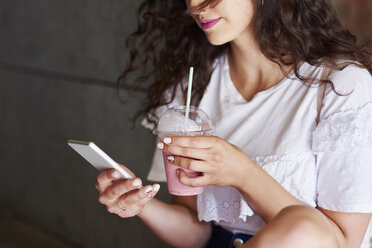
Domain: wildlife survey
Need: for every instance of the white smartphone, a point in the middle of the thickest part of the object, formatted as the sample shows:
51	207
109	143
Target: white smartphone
98	158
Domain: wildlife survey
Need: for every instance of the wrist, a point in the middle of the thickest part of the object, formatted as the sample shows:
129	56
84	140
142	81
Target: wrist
246	176
146	210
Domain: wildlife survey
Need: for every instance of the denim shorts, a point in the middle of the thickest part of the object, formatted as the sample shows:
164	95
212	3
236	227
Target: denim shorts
222	238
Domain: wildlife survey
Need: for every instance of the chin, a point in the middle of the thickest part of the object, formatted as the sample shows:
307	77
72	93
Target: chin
217	40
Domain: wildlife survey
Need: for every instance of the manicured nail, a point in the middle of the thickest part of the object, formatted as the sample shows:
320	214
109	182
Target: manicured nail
136	183
167	140
148	190
156	187
170	159
161	145
115	174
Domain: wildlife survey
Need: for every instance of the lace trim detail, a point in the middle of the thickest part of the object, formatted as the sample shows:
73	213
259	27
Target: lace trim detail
223	204
296	173
344	130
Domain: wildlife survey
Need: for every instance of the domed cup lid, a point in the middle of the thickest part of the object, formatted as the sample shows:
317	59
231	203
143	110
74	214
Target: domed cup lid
174	121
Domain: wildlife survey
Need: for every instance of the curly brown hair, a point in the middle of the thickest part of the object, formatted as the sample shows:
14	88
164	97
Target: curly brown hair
289	32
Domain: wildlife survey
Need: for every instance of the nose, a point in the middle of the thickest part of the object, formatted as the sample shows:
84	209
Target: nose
194	3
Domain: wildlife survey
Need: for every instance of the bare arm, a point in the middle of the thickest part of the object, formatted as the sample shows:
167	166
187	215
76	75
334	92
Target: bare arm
264	194
224	164
176	223
350	228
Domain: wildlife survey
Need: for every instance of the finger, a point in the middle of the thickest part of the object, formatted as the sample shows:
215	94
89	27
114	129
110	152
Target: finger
146	192
131	204
192	182
127	170
191	164
195	153
105	179
118	189
192	141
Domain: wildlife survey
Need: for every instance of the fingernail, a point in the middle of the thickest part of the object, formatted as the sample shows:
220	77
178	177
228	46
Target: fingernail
156	187
136	183
167	140
160	145
170	158
148	190
115	174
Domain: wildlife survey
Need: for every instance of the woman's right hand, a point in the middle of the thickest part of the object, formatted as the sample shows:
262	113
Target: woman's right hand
124	197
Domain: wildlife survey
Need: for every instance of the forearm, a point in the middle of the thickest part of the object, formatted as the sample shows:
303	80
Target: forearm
268	198
177	225
263	193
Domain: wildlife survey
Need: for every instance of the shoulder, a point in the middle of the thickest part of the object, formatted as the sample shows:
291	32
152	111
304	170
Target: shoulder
351	80
346	113
350	89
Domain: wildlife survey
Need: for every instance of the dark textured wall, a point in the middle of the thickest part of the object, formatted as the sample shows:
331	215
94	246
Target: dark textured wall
356	15
58	64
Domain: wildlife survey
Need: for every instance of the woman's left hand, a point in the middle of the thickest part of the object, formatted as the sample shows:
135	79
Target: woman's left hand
221	163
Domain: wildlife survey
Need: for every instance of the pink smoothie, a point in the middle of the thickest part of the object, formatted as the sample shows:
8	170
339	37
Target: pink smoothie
173	123
175	187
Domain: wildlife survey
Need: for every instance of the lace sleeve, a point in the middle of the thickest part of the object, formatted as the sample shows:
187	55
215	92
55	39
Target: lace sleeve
344	130
342	142
344	180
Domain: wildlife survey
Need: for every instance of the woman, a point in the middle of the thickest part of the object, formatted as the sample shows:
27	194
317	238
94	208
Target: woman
281	171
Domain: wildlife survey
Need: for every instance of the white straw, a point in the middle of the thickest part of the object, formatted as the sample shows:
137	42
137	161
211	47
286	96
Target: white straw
189	90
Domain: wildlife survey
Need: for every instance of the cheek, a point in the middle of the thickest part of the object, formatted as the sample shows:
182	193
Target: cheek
228	31
243	16
236	24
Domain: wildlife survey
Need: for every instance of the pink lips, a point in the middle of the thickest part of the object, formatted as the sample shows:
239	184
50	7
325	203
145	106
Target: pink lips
209	23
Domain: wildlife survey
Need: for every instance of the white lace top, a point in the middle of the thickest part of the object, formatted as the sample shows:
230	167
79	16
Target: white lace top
329	165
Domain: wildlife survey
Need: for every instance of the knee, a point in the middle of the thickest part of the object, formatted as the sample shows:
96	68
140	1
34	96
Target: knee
301	226
305	224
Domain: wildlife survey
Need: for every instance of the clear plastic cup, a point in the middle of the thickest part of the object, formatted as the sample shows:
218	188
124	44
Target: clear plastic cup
174	123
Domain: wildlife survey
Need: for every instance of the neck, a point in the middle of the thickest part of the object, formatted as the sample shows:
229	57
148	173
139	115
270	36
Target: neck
250	70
